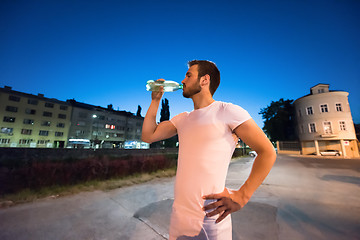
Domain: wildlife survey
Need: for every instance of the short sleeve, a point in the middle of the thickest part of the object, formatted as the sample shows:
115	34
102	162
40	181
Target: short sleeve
235	115
176	121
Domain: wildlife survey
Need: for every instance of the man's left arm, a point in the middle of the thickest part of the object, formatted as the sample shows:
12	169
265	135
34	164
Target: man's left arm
230	201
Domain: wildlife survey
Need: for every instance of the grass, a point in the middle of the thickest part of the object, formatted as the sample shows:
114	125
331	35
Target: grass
30	195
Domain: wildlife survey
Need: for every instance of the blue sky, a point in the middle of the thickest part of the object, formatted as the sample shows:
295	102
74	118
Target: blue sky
103	52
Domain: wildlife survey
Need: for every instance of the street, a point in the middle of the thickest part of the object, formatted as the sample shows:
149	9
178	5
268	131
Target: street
302	198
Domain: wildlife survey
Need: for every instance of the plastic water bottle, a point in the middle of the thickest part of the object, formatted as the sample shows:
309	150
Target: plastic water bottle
169	86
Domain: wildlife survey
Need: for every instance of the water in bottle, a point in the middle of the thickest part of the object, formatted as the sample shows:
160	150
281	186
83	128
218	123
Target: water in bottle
169	86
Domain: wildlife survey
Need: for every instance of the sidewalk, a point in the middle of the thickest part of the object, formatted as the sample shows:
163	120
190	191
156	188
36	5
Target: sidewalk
298	200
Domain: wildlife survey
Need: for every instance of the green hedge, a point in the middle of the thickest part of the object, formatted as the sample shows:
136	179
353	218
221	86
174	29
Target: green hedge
37	168
36	174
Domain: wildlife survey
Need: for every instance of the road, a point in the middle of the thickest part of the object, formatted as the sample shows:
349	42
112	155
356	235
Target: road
302	198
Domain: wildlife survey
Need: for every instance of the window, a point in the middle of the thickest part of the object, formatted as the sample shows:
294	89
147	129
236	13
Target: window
60	125
25	141
6	130
43	142
28	121
312	128
30	111
62	116
59	134
324	108
49	105
97	133
299	112
309	111
11	109
109	134
43	133
14	98
9	119
26	131
98	125
47	114
4	141
120	128
342	125
80	132
338	107
327	128
32	101
45	123
62	107
321	90
108	126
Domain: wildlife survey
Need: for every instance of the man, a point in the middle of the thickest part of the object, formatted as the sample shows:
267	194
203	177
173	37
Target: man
207	139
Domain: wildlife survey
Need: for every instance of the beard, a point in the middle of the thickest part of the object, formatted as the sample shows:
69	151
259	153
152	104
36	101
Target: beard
191	91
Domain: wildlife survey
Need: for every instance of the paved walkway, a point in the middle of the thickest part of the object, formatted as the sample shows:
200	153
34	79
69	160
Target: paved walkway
301	199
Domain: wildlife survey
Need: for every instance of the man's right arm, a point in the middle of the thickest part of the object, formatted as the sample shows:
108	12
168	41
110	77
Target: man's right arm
151	131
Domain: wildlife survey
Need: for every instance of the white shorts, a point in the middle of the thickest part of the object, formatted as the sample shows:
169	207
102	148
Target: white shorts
186	228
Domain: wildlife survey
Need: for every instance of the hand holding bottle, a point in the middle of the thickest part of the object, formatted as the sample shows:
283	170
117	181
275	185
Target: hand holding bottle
158	92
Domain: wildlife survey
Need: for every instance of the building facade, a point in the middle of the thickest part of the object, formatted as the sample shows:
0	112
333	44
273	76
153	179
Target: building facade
324	122
32	121
36	121
104	127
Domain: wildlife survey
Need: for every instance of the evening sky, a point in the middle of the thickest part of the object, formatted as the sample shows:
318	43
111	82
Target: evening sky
103	52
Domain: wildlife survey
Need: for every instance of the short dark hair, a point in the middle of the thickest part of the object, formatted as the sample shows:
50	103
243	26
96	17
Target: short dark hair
208	67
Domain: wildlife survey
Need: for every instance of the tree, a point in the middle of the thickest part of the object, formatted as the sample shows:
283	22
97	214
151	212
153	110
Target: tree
165	112
138	113
164	116
279	120
357	131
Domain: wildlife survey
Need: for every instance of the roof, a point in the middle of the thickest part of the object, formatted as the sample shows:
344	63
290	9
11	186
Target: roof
40	96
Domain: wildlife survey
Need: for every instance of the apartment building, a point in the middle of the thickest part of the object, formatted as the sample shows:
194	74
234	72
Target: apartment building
324	122
36	121
103	127
32	120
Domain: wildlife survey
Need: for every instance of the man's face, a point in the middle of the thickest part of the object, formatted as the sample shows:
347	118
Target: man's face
191	83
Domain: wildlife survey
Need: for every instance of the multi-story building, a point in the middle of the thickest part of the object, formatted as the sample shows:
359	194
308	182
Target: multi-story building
32	121
36	121
103	127
324	122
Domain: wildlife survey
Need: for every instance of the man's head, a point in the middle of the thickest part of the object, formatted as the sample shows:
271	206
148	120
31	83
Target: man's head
205	67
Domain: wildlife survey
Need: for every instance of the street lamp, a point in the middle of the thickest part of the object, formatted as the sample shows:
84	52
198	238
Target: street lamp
96	140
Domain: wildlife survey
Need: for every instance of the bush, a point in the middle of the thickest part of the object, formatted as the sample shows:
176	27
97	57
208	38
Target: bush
37	174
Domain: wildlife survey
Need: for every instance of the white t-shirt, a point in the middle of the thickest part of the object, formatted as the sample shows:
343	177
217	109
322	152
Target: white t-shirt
206	145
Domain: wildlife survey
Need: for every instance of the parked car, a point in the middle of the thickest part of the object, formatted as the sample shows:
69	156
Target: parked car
252	154
330	153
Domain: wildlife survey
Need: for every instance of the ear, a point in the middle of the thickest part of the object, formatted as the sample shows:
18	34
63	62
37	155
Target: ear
205	80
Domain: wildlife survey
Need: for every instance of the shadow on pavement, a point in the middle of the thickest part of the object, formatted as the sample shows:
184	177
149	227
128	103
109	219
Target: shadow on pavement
345	179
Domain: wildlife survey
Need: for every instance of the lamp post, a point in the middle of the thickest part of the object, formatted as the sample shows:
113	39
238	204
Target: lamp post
96	140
